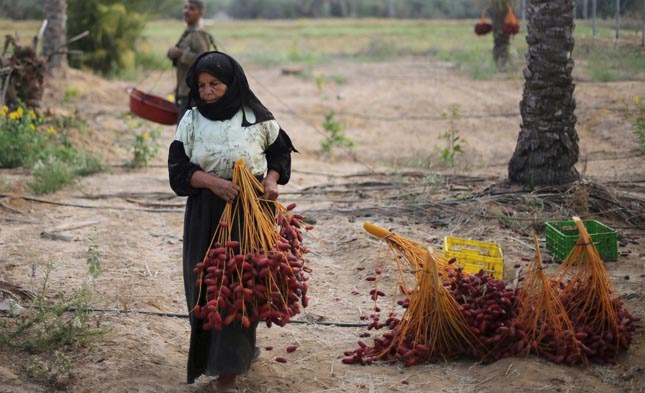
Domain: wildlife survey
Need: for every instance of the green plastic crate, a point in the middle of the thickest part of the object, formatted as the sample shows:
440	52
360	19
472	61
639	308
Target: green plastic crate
561	236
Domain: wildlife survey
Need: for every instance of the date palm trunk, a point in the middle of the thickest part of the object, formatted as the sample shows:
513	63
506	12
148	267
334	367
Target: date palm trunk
547	146
55	35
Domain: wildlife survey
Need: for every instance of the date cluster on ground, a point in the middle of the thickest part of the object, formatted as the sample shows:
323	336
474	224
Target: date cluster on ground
490	311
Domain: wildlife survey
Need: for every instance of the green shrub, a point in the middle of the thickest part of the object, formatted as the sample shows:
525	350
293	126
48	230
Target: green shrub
93	257
51	174
71	94
319	79
19	139
61	167
63	322
636	114
336	137
86	163
54	328
56	371
27	140
448	153
142	144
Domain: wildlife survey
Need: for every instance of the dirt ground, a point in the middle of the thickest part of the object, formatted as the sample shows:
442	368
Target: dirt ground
393	113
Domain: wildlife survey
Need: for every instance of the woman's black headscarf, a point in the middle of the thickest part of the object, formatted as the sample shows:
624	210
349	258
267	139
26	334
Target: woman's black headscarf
238	94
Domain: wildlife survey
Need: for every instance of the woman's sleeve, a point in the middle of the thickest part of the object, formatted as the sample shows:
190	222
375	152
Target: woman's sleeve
180	168
278	156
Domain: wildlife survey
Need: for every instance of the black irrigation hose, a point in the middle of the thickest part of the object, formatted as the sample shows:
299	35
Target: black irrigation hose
177	315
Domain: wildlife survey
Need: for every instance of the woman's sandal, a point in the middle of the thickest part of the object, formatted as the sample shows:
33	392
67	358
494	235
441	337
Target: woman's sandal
226	387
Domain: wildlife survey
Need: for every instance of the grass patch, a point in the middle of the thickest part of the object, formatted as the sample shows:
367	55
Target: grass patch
477	64
313	41
614	64
379	49
272	43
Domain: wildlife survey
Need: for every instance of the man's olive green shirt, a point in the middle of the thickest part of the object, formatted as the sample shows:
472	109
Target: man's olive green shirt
193	42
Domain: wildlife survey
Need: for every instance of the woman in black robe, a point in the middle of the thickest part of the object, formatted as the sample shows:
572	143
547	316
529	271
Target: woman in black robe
226	122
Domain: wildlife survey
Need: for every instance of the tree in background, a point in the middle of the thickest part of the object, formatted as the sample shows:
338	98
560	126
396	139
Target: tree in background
285	9
114	28
24	9
547	146
56	33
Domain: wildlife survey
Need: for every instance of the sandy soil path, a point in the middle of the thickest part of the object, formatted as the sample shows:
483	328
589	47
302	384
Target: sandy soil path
393	113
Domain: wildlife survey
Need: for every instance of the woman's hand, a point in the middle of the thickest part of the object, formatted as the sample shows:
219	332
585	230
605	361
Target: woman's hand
223	188
270	184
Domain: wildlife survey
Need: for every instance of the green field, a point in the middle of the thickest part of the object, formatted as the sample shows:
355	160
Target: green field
313	41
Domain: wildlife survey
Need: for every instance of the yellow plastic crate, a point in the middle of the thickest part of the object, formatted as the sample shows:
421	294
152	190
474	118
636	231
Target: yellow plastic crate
474	255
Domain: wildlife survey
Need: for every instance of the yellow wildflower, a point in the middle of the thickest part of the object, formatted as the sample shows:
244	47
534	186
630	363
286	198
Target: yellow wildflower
31	114
33	127
128	117
4	110
636	100
15	115
146	135
52	131
132	124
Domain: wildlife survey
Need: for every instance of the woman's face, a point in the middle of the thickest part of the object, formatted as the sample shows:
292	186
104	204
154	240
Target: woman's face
210	88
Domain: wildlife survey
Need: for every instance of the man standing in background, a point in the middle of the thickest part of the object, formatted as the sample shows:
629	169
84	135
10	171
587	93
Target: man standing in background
193	42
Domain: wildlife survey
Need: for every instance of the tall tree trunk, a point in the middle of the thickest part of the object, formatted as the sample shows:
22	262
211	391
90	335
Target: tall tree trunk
617	22
501	41
547	146
585	9
338	8
390	8
594	8
56	33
